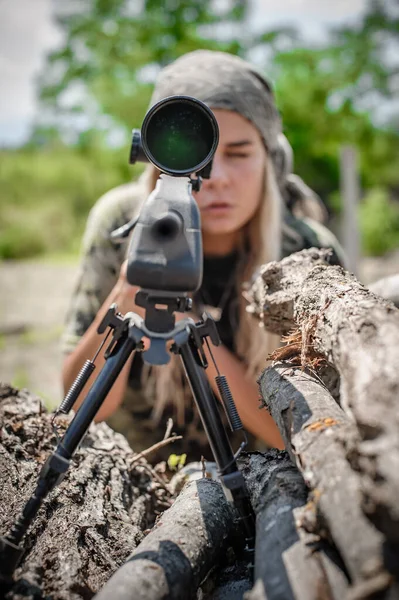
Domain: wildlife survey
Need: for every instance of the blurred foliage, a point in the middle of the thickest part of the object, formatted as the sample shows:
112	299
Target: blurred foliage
116	47
317	130
327	96
46	194
379	220
97	86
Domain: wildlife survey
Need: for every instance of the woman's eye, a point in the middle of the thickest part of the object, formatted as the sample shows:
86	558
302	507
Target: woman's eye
237	155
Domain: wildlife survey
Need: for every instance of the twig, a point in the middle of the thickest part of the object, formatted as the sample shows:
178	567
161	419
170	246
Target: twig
155	476
156	446
203	463
169	427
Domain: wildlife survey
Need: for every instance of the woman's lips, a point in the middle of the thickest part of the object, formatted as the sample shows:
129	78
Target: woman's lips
217	208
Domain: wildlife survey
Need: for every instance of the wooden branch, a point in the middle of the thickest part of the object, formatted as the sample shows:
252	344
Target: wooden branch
165	442
285	565
315	559
317	434
357	332
179	551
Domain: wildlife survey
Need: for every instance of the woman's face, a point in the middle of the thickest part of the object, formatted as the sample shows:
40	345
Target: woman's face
229	199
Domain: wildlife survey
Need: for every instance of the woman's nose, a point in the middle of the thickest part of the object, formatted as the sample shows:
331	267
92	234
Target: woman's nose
219	173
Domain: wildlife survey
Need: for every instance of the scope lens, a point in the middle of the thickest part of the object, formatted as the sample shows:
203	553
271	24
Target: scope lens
180	136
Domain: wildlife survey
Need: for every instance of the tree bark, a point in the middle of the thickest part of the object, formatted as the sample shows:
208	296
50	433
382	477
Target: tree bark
91	522
288	563
358	333
318	434
180	550
110	498
272	295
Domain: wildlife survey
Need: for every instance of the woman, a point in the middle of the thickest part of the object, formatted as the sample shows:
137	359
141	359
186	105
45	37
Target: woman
247	213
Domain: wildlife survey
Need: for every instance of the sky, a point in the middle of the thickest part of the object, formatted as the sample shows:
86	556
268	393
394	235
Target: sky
27	33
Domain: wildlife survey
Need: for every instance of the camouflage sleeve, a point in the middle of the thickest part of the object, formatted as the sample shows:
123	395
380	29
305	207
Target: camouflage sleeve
100	264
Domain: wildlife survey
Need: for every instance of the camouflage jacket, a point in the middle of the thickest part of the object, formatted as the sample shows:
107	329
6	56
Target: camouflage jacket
98	272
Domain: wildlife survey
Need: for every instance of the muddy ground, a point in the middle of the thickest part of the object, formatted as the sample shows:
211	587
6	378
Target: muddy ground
34	298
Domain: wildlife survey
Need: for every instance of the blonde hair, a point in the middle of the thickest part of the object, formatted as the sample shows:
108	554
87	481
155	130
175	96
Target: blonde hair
260	243
263	239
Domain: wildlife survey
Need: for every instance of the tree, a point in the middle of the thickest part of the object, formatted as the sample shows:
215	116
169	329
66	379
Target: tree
114	48
365	54
101	80
330	95
103	75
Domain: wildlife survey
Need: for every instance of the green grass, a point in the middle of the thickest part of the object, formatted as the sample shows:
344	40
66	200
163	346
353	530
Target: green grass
379	223
20	379
46	195
40	336
49	403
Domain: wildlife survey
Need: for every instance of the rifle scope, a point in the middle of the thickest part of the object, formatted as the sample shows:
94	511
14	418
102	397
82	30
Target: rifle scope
179	136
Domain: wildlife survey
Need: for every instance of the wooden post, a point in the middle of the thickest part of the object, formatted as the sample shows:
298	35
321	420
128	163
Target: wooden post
350	194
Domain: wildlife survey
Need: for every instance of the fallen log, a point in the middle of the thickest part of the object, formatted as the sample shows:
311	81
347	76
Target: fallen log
358	333
317	434
107	503
91	522
313	548
288	563
272	295
179	551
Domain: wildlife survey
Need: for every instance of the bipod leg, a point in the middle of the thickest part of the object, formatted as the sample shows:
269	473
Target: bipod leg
207	407
57	464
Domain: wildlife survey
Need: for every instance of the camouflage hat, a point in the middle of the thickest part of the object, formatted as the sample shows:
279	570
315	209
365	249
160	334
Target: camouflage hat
225	81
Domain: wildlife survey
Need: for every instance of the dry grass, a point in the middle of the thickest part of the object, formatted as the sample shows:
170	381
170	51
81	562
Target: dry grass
299	349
